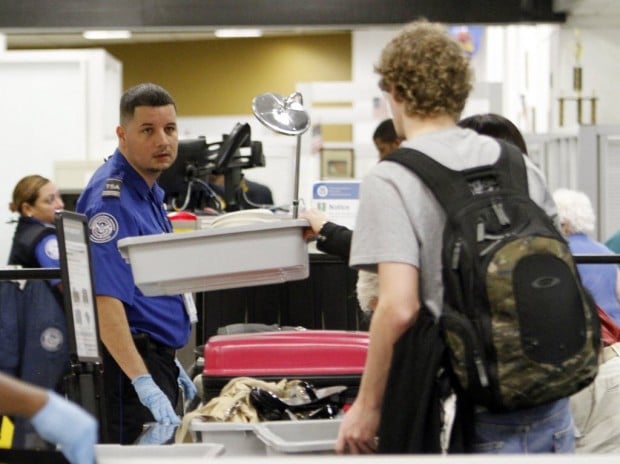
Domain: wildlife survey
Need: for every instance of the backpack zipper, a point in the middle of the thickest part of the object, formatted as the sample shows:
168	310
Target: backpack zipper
480	231
498	207
456	254
482	375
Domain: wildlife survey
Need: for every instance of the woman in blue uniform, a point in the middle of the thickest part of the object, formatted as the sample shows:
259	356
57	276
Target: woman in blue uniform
34	346
36	200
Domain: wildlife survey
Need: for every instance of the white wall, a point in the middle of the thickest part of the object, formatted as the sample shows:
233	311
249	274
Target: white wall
55	106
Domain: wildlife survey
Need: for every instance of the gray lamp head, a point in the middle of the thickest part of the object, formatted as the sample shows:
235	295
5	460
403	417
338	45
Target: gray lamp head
285	115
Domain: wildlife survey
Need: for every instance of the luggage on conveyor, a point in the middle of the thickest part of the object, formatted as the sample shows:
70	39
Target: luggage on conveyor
321	357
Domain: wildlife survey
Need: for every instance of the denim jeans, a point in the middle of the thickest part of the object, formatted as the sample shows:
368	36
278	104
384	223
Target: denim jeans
546	428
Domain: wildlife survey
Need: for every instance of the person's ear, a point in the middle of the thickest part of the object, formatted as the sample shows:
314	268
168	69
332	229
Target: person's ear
394	95
122	137
26	209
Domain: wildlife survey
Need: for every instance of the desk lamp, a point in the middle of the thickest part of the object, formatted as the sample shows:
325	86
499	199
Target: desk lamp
285	115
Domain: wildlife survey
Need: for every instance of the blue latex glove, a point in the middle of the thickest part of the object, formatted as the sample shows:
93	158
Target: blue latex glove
189	389
70	427
157	434
153	398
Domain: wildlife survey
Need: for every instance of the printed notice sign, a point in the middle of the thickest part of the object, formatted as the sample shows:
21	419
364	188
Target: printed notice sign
79	298
338	200
81	292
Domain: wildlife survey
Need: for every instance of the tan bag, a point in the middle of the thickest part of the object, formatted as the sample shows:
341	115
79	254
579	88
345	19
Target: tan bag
233	403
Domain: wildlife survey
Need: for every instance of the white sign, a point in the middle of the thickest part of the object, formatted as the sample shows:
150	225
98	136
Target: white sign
81	291
338	199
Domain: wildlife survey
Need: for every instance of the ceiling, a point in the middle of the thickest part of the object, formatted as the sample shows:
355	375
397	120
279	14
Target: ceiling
582	13
75	39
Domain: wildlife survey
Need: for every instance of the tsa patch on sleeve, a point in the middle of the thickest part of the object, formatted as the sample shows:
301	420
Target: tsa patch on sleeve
52	339
112	188
51	249
103	228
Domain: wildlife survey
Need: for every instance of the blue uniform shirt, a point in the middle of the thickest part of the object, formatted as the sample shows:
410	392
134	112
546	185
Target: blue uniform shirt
119	204
46	252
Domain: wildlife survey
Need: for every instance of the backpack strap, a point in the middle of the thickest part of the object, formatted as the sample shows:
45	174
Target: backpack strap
446	184
511	168
451	187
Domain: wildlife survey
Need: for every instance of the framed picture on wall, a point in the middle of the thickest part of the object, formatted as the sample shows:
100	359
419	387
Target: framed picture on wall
337	163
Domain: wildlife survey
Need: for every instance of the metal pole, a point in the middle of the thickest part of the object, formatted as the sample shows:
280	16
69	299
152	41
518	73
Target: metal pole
296	186
30	273
597	259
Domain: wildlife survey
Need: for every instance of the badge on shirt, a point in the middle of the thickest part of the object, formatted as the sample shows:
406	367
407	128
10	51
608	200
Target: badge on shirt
51	249
103	228
52	339
112	188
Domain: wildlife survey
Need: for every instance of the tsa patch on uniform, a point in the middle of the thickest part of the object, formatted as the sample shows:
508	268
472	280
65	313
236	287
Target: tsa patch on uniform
51	249
112	188
103	228
52	339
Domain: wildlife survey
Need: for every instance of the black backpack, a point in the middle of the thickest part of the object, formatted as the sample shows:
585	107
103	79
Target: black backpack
520	328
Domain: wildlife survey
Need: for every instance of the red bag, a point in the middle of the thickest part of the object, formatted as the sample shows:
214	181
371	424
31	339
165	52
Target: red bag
322	357
610	331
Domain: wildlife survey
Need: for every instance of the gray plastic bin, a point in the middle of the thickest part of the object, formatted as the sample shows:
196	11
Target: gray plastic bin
190	453
212	259
299	437
238	439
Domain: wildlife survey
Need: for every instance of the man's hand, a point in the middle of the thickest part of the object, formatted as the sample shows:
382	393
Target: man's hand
189	389
153	398
358	432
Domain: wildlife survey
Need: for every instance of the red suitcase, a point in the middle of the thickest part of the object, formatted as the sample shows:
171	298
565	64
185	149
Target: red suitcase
322	357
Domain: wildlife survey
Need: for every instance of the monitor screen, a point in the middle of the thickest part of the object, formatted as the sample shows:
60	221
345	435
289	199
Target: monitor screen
186	182
194	156
238	137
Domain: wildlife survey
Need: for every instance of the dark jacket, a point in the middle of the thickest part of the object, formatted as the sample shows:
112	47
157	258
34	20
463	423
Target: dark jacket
335	240
28	233
34	344
418	380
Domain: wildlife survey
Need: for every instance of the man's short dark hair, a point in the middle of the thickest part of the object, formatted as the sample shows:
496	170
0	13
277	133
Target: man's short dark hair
145	94
386	132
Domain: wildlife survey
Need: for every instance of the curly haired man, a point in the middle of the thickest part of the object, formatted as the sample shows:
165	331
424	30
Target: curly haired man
426	79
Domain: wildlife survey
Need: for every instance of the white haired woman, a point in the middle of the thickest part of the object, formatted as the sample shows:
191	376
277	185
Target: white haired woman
595	408
577	219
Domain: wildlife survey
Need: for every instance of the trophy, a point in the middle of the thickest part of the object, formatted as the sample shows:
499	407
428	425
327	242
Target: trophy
577	88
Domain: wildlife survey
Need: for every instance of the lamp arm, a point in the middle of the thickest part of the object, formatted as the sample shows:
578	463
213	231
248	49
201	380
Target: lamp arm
291	99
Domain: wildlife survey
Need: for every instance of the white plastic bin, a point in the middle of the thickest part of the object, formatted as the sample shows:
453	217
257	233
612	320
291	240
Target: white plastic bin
190	453
212	259
238	439
299	437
